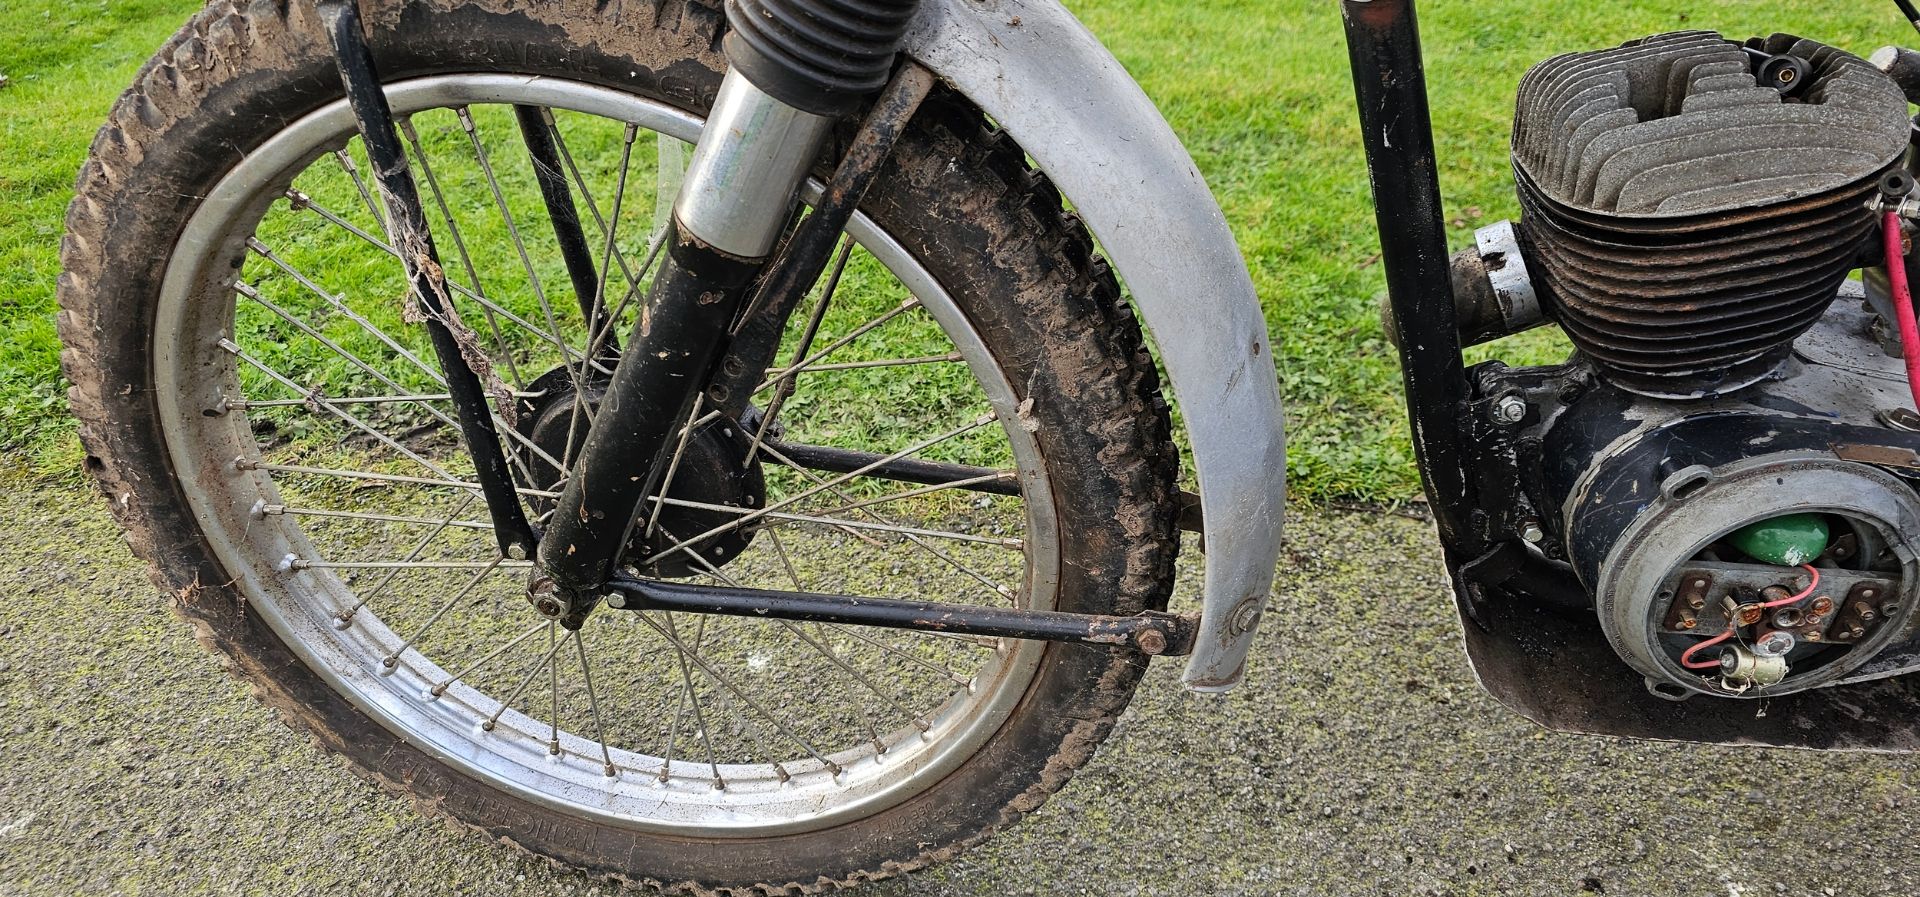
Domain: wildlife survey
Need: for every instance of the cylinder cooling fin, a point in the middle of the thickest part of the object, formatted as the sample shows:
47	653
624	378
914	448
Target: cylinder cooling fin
1692	204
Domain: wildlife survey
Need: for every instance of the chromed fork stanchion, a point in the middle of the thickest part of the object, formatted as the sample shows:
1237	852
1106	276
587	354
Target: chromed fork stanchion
406	222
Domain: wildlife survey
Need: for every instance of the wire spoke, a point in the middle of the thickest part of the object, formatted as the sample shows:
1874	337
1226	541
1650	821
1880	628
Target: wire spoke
440	688
807	335
292	511
801	366
1003	542
568	352
854	631
537	668
726	683
831	656
513	230
683	546
393	658
346	616
593	702
320	400
689	695
346	164
998	589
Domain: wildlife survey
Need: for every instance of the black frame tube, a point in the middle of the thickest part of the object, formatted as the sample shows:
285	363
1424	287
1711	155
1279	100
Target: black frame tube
1151	632
407	220
1389	81
565	216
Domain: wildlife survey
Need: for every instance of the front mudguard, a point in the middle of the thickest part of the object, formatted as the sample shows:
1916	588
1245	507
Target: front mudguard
1063	97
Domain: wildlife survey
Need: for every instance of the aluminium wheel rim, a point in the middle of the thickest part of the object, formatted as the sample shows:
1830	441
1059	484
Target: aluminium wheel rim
515	754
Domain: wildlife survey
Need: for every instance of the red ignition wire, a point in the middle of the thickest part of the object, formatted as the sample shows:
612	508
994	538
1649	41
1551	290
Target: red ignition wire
1902	301
1686	657
1811	571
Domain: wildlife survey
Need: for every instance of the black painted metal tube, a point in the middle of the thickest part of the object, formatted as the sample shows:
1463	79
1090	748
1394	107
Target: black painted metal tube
565	217
1152	633
674	348
1383	44
407	220
905	470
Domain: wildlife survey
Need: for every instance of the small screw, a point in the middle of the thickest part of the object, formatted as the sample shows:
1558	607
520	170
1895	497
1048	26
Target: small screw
1151	641
1821	606
1510	410
1688	622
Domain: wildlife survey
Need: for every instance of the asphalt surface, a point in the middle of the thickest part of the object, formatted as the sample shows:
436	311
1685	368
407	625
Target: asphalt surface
1359	758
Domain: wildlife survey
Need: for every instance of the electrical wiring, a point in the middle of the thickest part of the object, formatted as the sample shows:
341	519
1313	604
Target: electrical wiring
1686	657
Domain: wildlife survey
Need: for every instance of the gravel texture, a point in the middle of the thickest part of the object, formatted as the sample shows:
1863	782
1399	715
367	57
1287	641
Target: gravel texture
1359	758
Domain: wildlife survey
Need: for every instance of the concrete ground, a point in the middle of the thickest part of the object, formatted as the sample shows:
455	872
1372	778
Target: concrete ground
1359	758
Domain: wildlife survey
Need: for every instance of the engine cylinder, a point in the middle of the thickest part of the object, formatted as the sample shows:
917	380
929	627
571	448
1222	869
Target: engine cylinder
1689	221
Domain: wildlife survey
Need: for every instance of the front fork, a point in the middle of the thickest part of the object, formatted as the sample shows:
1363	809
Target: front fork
713	314
739	189
775	109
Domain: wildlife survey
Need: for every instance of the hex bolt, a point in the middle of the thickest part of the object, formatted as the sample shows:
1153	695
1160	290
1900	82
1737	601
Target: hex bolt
1510	410
517	551
1151	641
1531	532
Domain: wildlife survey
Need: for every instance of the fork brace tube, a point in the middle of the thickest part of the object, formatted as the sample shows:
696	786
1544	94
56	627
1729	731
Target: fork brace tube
1389	81
407	227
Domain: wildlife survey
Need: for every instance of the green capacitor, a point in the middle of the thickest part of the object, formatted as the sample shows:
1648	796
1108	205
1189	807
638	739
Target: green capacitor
1789	541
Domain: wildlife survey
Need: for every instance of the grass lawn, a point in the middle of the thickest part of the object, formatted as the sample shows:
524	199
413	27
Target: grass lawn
1258	89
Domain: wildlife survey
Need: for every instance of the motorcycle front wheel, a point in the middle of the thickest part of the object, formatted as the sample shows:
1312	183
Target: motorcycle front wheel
261	408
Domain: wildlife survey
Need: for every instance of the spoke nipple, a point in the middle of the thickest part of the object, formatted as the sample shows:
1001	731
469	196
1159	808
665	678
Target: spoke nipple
342	621
719	784
610	772
782	772
289	563
486	725
389	661
438	690
553	748
834	768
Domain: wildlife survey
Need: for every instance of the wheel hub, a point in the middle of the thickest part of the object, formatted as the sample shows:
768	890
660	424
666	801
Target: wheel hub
713	470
